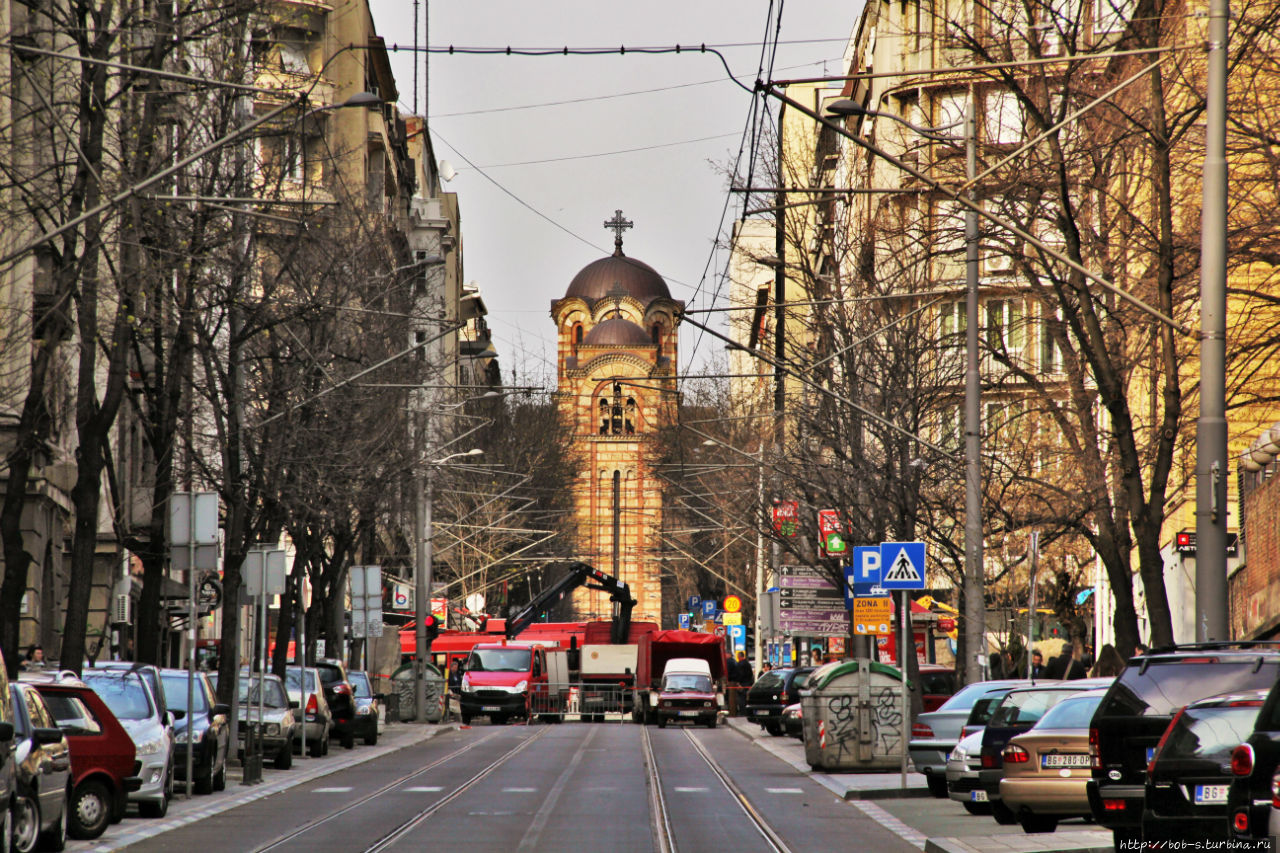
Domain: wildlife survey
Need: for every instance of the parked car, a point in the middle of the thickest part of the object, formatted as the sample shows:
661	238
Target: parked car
1018	711
793	721
281	728
128	694
149	673
341	699
963	765
102	753
317	719
773	691
937	685
204	723
1190	774
1139	707
937	732
368	706
1253	799
42	762
1047	767
8	773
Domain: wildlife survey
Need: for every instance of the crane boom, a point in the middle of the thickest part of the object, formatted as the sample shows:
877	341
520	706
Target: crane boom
580	574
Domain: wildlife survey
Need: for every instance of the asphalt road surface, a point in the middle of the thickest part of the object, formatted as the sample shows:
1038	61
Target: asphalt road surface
577	787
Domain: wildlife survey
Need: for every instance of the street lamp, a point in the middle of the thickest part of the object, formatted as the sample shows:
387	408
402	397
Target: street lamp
975	610
422	578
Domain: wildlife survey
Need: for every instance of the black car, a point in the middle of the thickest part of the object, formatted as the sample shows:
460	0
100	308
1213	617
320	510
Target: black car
341	699
1020	709
1255	767
368	706
209	730
43	771
773	691
1138	708
1187	781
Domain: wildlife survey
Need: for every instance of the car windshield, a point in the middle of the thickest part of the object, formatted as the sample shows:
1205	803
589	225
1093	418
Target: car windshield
175	690
771	680
1023	707
499	660
680	682
1074	712
360	685
71	715
800	680
293	678
123	693
980	713
938	682
1210	733
272	695
329	674
1159	686
966	697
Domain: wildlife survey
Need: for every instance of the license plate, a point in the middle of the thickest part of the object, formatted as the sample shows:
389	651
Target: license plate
688	713
768	712
1065	759
1211	794
978	796
489	708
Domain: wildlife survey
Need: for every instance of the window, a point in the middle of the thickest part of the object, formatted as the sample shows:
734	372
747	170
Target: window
1111	16
1005	328
951	428
617	414
953	324
1050	352
948	228
1003	118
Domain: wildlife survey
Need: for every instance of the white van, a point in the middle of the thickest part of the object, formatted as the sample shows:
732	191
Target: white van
688	693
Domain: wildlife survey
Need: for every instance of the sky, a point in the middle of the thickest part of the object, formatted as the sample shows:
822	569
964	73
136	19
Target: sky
547	148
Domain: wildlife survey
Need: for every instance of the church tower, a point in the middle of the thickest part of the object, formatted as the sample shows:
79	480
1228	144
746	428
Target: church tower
616	326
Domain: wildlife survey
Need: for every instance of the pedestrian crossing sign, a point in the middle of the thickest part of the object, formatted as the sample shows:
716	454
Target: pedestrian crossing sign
902	565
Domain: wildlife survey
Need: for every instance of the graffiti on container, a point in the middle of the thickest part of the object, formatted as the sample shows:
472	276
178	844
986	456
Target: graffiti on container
885	719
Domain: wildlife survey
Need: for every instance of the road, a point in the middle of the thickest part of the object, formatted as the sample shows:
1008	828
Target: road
579	787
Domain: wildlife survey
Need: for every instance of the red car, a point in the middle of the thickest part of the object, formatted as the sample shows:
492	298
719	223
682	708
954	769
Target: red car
102	753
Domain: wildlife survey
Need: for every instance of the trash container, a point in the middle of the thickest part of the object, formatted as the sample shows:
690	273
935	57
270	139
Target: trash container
852	713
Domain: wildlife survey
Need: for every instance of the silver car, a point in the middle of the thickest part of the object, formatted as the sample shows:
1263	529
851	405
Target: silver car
129	697
936	733
280	730
317	718
963	765
43	760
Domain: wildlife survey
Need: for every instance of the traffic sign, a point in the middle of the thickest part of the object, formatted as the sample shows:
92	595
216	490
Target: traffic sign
831	541
695	604
873	610
708	608
732	604
684	621
903	564
866	568
731	619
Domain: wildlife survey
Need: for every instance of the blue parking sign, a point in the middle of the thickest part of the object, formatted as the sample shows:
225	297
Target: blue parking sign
684	621
866	570
709	608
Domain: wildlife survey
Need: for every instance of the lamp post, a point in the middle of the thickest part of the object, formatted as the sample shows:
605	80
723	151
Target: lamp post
975	610
422	579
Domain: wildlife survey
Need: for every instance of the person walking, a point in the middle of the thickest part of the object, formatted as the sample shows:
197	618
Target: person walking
740	680
1037	665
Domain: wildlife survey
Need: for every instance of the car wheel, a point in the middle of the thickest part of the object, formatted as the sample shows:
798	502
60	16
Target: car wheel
284	758
466	718
711	723
6	830
1003	814
774	729
977	808
371	739
937	785
153	809
56	838
349	740
315	748
662	722
324	744
26	823
1037	823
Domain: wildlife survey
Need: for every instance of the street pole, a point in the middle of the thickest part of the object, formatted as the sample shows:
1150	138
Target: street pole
422	589
975	607
1211	428
1031	599
758	645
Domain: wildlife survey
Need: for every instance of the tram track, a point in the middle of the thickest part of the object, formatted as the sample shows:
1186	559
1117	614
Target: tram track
665	840
406	826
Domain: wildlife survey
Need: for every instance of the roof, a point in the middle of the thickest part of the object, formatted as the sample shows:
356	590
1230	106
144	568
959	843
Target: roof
617	331
618	274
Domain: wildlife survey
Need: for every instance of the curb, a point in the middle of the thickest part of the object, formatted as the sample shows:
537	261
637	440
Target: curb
237	794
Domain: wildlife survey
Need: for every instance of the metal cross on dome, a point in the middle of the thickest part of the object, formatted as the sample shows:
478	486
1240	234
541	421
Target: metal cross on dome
617	225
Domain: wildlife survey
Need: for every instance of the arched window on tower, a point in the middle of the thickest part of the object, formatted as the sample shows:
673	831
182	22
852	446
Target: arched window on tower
617	414
577	337
604	416
657	336
629	418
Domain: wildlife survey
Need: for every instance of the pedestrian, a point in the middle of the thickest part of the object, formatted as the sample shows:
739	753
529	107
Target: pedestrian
1070	667
1109	663
1140	649
741	678
35	658
996	667
766	667
1037	664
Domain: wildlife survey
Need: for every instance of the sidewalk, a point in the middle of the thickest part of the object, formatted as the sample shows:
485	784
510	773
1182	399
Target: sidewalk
185	811
863	789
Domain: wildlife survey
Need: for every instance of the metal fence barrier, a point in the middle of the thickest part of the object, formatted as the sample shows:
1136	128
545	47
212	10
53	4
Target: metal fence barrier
577	701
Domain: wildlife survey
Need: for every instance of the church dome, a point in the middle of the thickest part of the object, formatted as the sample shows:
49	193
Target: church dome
617	332
617	272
